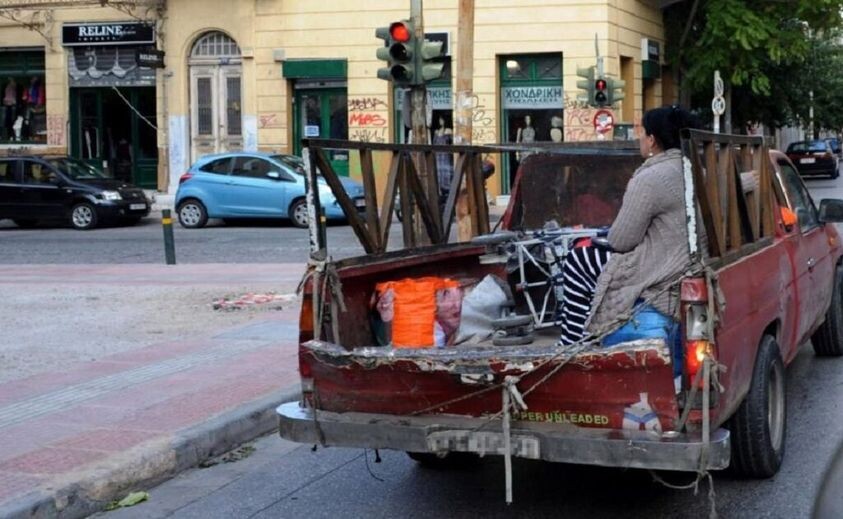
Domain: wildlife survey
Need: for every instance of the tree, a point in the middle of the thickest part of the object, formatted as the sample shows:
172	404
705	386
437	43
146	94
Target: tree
760	47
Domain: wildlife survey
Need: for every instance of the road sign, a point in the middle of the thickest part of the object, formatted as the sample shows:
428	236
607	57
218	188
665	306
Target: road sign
603	122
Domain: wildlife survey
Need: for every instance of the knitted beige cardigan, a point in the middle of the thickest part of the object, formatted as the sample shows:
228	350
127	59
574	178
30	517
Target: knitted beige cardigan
650	238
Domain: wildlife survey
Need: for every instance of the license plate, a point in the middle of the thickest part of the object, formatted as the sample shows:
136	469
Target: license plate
137	207
360	203
483	442
807	161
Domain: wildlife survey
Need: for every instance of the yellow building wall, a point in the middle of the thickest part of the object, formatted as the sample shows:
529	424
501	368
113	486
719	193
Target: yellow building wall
266	30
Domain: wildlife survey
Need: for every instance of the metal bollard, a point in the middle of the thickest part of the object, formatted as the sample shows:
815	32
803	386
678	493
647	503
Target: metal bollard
169	242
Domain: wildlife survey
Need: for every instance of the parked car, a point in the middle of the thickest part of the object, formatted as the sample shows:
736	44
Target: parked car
814	158
64	189
834	142
253	185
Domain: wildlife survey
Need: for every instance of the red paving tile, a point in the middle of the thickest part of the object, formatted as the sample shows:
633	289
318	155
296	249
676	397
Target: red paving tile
34	434
51	461
107	440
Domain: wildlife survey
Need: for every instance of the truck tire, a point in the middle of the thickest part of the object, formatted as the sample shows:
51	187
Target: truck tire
759	426
828	339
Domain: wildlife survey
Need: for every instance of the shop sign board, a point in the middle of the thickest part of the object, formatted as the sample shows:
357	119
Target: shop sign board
531	97
150	58
107	33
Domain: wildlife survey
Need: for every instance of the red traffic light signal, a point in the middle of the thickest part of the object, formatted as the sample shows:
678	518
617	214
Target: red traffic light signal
601	97
600	84
400	32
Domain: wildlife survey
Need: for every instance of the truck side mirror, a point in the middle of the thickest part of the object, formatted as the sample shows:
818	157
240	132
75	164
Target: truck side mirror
831	210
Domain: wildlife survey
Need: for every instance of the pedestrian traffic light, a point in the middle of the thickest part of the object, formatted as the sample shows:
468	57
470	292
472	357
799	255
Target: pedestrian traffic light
586	85
601	94
398	51
616	90
427	68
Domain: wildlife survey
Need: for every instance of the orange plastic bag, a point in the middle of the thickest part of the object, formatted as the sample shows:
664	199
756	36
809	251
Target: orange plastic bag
414	309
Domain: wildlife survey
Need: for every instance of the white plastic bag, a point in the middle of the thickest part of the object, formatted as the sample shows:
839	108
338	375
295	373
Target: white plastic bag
479	308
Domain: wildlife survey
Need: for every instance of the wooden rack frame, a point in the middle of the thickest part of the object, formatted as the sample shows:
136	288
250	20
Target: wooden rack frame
732	215
404	178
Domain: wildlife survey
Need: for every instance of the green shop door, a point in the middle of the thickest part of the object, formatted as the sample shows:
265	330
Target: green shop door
109	133
322	113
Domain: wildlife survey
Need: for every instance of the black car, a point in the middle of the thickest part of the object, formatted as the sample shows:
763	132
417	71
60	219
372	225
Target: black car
813	158
64	189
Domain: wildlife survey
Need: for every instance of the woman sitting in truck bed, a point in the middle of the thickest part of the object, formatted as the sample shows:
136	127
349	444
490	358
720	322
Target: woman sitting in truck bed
648	240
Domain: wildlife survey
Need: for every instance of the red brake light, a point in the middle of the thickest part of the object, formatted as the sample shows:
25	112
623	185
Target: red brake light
695	354
185	177
399	32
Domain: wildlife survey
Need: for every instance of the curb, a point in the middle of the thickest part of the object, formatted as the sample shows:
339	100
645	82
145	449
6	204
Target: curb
152	463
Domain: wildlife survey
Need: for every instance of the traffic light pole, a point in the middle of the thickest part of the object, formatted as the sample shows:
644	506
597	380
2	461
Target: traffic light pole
418	123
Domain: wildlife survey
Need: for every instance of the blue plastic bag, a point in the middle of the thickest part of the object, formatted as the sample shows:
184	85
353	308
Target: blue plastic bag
649	323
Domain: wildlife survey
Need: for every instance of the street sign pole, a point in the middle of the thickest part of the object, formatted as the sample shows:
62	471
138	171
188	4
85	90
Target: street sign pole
718	104
463	116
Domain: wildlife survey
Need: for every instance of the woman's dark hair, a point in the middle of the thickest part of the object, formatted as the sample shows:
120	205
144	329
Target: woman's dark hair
666	122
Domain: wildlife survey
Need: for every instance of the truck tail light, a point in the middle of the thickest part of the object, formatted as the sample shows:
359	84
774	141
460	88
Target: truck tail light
698	342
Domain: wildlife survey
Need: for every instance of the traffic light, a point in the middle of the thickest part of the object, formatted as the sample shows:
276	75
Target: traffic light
586	85
601	93
616	87
427	69
398	51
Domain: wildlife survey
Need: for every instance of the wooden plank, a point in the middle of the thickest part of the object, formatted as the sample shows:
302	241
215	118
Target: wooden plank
456	187
434	188
707	212
733	219
713	185
767	192
389	201
345	202
423	202
370	189
406	202
480	211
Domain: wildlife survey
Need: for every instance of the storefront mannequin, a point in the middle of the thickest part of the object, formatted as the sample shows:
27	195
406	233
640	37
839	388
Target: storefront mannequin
556	128
10	107
526	135
444	161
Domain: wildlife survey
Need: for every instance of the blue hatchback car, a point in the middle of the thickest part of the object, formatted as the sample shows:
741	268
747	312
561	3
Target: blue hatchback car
253	185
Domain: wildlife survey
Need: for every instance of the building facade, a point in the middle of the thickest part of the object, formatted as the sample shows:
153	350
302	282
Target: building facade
263	74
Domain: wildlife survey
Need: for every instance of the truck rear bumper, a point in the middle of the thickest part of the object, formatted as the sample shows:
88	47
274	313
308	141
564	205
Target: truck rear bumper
549	442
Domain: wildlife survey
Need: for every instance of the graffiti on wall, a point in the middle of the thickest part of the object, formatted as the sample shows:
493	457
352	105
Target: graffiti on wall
56	125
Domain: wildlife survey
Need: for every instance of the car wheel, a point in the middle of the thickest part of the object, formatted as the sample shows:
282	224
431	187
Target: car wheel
836	173
83	216
828	339
759	426
26	224
192	214
298	213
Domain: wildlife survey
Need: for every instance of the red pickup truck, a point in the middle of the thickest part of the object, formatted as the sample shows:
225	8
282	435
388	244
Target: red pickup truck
764	286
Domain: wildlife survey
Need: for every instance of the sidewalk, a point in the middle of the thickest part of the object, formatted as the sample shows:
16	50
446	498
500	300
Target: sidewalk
77	438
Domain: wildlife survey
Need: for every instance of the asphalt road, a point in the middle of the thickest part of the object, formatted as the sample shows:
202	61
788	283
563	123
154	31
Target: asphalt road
249	242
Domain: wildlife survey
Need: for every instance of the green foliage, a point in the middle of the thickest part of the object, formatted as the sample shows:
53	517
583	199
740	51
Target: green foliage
764	49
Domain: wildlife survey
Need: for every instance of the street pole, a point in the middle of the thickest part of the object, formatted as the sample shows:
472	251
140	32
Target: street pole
718	104
464	105
418	124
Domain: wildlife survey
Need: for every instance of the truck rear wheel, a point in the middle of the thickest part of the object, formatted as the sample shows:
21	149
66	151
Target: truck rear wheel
828	339
760	424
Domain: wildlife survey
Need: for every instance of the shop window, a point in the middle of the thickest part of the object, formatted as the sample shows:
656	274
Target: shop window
532	101
23	118
442	102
